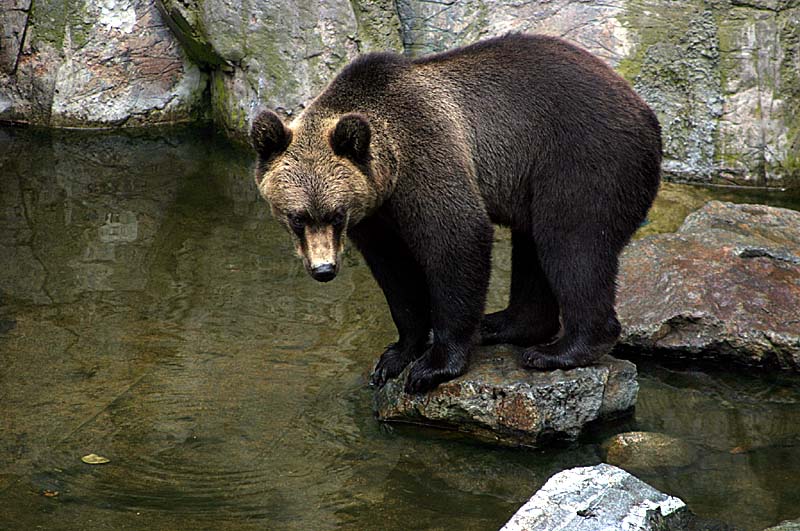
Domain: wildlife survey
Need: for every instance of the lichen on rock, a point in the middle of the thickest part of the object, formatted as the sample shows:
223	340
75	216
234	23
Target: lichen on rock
91	64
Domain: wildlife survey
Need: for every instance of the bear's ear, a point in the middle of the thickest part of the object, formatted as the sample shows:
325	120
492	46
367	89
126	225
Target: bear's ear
268	135
350	138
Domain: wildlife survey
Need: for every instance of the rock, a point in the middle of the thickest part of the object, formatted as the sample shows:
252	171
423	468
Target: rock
597	498
429	27
787	525
679	76
638	451
498	401
277	54
722	76
13	20
93	64
725	286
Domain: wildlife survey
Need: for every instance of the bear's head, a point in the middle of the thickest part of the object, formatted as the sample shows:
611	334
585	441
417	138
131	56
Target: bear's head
318	175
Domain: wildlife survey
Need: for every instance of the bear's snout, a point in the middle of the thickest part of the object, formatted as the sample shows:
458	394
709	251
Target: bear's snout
323	272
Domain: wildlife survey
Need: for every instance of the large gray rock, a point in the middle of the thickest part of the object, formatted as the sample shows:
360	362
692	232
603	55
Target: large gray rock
498	401
277	54
725	286
598	498
93	64
722	76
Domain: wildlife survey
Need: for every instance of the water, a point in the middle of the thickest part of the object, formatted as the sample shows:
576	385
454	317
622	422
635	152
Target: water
153	313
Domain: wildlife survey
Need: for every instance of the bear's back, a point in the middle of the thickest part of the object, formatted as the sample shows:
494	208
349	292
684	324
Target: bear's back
536	115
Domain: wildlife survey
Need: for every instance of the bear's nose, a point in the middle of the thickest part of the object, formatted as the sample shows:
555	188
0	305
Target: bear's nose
323	273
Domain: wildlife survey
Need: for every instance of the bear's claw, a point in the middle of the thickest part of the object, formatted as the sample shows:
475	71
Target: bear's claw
424	376
392	362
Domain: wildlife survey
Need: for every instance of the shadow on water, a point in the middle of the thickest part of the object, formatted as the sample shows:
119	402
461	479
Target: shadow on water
152	312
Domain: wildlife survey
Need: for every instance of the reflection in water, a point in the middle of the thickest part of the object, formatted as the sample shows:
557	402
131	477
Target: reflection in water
151	312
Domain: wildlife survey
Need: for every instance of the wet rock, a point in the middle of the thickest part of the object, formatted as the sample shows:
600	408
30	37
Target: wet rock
648	451
500	402
93	64
788	525
599	497
725	286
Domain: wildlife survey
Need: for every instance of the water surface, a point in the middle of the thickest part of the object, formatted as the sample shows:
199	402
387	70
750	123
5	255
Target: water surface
153	313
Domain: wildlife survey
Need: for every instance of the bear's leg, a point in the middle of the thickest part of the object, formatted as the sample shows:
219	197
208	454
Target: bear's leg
583	279
532	314
457	266
403	285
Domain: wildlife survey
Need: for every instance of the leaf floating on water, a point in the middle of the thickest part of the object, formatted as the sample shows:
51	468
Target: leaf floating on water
94	459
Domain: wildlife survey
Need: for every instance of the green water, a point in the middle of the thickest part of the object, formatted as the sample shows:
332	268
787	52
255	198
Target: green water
152	312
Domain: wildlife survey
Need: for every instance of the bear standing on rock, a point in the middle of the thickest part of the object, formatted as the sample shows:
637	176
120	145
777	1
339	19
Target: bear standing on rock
414	159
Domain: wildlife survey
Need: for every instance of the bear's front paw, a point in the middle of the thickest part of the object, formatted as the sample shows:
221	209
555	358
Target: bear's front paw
392	362
432	369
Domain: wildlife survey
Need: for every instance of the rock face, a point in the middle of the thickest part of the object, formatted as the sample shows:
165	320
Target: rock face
277	54
93	64
726	285
723	76
597	498
498	401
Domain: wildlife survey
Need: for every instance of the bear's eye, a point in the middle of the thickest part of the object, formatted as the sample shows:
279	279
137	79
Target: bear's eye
338	218
297	222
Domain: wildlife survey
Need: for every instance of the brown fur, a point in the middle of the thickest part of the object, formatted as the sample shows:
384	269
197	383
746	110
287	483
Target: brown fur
415	159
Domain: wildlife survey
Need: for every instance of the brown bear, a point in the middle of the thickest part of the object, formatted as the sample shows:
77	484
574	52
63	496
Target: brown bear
415	159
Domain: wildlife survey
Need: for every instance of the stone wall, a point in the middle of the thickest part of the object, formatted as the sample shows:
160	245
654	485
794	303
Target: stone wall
723	75
86	63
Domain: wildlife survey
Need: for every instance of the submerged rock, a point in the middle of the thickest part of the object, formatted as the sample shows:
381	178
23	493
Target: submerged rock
726	285
638	451
501	402
597	498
